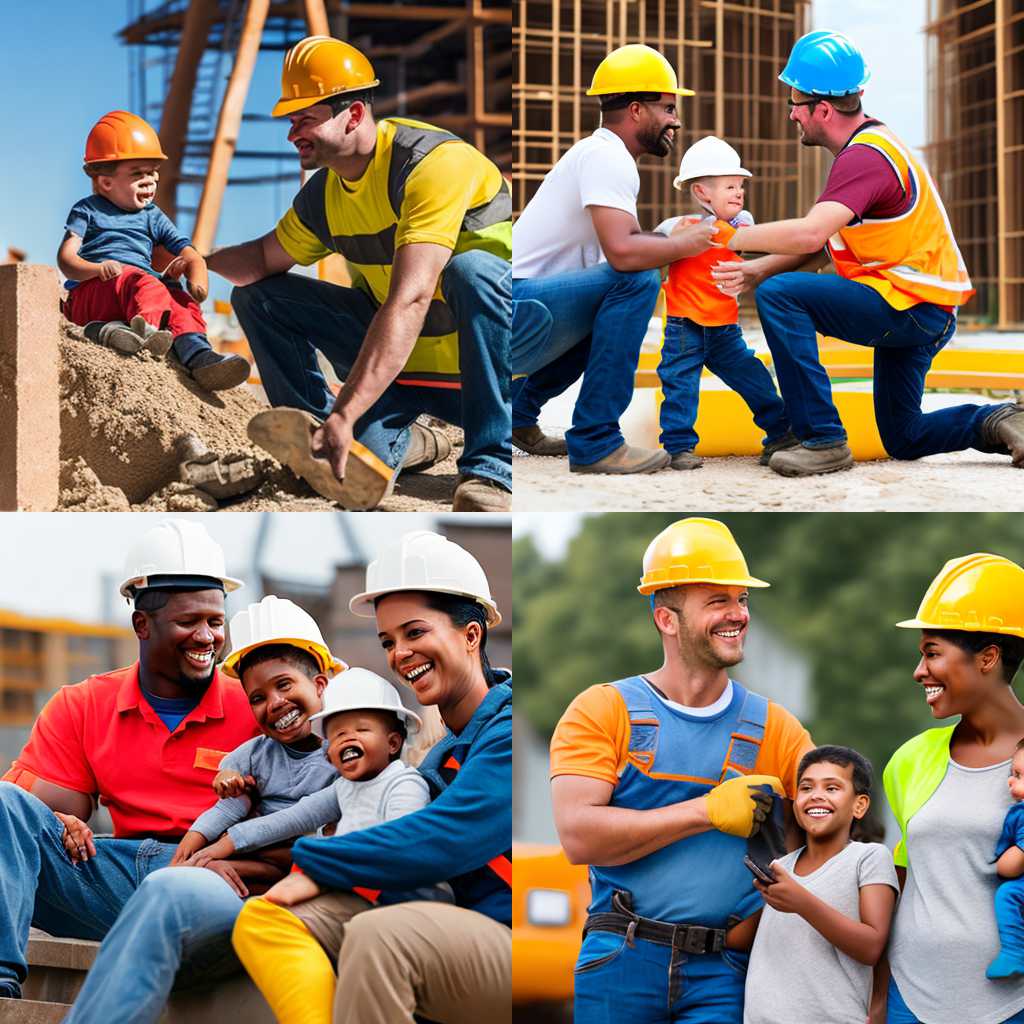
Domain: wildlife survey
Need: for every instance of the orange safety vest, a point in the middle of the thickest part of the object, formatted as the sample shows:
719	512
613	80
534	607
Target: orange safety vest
910	258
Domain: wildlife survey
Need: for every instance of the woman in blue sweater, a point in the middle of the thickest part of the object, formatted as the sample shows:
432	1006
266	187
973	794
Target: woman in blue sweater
450	963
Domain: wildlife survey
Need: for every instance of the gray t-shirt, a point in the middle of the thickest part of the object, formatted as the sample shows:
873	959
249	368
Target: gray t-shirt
796	976
283	775
944	934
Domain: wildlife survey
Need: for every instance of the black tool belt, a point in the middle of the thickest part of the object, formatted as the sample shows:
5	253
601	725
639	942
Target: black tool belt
690	938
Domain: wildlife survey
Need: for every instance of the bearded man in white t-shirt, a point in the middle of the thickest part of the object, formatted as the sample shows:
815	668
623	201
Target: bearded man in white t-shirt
585	277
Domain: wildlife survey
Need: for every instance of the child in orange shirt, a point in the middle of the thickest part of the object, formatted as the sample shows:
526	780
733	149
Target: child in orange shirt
702	327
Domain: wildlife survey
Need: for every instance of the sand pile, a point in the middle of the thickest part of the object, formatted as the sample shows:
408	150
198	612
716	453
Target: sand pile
120	418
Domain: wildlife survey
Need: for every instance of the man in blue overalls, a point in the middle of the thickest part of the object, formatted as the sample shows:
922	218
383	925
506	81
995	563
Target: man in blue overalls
657	782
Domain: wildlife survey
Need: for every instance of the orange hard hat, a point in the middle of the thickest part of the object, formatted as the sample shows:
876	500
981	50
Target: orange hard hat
319	67
120	135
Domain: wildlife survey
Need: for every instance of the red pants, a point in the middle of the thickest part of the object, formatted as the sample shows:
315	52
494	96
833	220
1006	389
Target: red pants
131	293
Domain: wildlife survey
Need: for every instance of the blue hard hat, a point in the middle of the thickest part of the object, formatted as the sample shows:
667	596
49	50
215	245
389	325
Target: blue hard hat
825	64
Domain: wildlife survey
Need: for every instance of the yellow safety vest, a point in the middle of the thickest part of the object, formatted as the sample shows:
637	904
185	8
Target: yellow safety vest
910	258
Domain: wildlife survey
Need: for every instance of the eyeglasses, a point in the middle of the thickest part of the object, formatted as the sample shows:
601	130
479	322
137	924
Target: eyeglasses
791	103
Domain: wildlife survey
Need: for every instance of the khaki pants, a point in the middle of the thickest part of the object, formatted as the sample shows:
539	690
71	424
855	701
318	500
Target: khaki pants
450	965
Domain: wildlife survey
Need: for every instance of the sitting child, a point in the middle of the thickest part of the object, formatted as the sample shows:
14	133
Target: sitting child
107	254
828	912
702	328
1009	859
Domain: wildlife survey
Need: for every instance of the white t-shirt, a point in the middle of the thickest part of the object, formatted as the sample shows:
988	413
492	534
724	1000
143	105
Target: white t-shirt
555	232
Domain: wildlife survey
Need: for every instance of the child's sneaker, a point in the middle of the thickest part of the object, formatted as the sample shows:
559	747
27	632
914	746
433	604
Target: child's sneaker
154	340
215	372
686	460
116	335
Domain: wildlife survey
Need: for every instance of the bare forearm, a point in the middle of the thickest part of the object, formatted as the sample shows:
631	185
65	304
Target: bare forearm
854	938
618	835
785	237
240	264
385	350
650	250
74	268
1011	863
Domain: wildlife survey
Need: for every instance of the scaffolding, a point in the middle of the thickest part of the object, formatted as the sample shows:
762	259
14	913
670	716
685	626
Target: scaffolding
976	145
448	62
729	53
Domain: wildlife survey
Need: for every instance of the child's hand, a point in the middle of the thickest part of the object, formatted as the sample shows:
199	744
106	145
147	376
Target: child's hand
77	838
785	894
198	289
230	875
296	888
109	269
191	844
175	268
228	783
220	850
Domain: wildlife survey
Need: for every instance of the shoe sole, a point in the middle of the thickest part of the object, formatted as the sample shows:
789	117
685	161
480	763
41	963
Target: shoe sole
123	340
222	376
286	433
651	466
158	344
816	472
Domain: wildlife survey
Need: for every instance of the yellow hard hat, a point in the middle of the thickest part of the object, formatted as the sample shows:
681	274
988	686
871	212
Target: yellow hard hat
695	551
319	67
635	68
979	593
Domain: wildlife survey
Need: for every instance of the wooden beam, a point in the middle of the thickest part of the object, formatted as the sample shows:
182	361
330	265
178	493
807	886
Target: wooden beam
230	119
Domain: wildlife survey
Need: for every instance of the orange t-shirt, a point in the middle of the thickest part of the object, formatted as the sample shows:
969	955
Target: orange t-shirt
690	290
102	737
592	739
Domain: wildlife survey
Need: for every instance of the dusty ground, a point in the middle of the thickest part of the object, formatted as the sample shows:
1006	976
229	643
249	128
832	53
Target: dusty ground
960	482
120	417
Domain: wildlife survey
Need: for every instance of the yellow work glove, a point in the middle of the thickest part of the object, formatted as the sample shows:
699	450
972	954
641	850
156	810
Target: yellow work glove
738	806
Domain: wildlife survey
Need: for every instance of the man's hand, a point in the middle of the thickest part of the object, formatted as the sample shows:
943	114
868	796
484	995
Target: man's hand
191	844
785	894
77	838
230	875
109	269
734	278
332	441
296	888
229	783
738	806
697	237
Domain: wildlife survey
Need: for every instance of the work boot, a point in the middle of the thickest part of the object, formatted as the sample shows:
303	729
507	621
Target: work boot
154	340
534	441
626	459
427	447
214	372
686	460
804	461
287	434
788	440
480	494
1004	430
116	335
220	477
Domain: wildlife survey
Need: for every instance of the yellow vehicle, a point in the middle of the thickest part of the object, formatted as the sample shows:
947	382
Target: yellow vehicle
549	906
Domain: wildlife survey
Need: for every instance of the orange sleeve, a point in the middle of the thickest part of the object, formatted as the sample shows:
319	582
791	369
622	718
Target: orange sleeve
54	751
785	742
592	737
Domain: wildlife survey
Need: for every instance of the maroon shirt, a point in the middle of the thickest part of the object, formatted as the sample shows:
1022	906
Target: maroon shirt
865	182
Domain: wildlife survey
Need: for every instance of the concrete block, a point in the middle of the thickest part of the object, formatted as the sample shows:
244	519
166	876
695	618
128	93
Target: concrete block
31	1011
29	387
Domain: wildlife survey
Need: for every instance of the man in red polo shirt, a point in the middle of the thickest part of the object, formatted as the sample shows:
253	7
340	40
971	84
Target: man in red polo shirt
145	740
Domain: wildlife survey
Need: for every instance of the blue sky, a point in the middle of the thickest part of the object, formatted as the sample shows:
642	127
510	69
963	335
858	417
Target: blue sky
64	63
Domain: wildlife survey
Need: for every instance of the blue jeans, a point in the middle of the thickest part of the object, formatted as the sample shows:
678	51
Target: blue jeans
687	349
599	317
653	984
39	885
897	1011
286	318
793	306
175	931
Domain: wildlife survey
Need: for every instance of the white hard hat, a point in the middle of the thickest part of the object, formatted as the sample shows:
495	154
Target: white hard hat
276	620
708	157
358	689
176	552
422	560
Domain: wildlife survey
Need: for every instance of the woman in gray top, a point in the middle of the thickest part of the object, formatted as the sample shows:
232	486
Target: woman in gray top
947	789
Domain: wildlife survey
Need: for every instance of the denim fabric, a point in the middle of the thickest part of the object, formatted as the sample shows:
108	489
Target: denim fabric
897	1011
530	394
39	885
651	984
687	349
288	317
188	346
175	931
611	308
793	306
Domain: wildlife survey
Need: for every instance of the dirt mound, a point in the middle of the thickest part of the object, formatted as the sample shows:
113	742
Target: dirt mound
122	416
